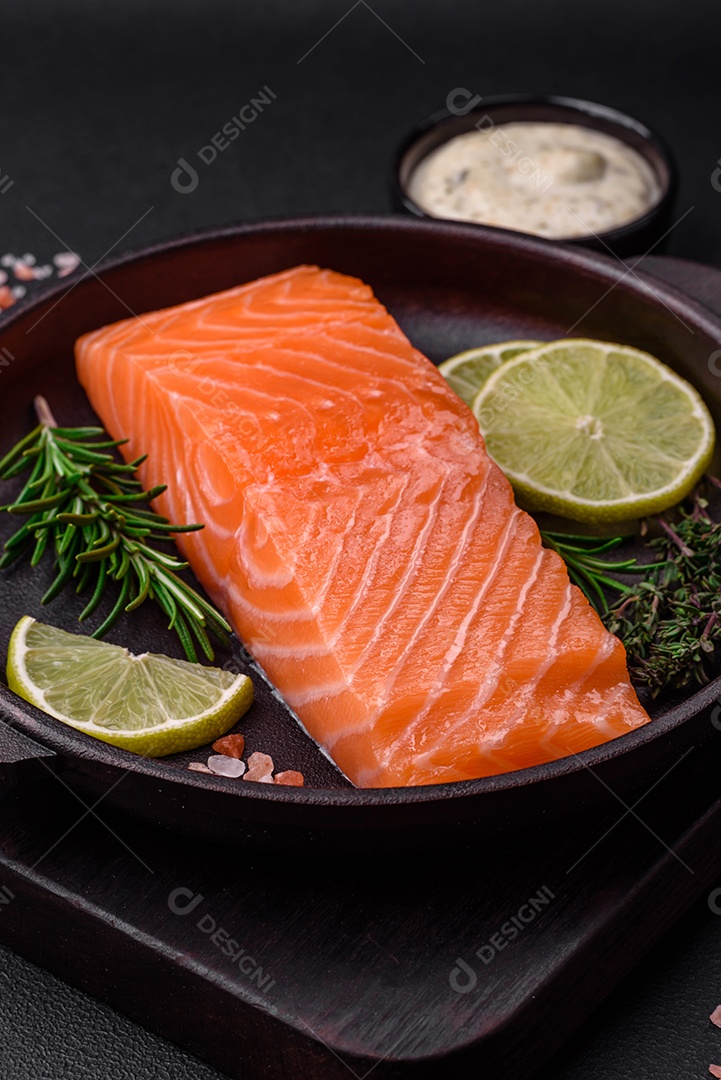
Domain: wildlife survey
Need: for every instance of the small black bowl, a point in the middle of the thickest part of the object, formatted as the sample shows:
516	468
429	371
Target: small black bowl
634	238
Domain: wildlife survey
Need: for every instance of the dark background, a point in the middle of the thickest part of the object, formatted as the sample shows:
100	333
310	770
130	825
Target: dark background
99	100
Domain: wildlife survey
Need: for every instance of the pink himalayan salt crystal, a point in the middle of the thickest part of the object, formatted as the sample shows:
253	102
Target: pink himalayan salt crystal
230	745
715	1016
715	1070
23	272
289	778
260	768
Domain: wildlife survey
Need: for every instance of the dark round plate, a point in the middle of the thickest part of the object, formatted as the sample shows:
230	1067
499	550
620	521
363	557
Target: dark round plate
450	287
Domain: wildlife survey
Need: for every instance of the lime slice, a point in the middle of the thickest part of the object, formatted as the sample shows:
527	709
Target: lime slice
150	704
467	371
595	431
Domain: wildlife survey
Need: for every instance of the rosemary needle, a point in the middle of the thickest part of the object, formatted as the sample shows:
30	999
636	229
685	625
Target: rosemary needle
88	509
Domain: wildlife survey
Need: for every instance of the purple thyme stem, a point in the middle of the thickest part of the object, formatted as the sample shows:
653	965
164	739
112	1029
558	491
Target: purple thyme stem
683	548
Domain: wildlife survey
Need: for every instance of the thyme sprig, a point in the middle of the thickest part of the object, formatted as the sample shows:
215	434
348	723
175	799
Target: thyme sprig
88	510
670	622
670	618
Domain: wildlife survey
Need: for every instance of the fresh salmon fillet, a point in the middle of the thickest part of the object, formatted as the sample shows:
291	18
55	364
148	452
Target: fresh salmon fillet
365	547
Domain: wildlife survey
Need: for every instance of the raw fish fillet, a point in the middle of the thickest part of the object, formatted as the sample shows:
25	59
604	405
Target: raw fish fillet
365	547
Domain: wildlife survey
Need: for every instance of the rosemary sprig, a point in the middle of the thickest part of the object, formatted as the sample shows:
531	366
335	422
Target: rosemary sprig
671	622
88	509
587	567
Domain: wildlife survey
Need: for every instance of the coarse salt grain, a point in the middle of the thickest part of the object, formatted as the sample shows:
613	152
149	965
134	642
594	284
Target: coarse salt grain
198	766
66	262
715	1016
260	768
230	745
715	1070
222	765
23	272
290	778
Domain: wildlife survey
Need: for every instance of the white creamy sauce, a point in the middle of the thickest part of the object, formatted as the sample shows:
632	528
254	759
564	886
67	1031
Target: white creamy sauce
553	180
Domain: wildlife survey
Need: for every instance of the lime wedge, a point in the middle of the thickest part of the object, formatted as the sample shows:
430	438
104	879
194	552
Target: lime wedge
594	431
150	704
467	371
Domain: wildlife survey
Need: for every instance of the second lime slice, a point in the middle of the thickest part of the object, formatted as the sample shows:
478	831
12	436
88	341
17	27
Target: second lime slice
467	371
595	431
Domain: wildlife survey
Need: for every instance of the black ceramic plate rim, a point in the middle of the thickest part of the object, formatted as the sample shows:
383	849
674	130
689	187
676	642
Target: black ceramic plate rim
67	742
590	109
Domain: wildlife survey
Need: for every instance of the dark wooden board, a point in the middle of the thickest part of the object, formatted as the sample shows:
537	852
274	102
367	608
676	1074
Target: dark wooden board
357	955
